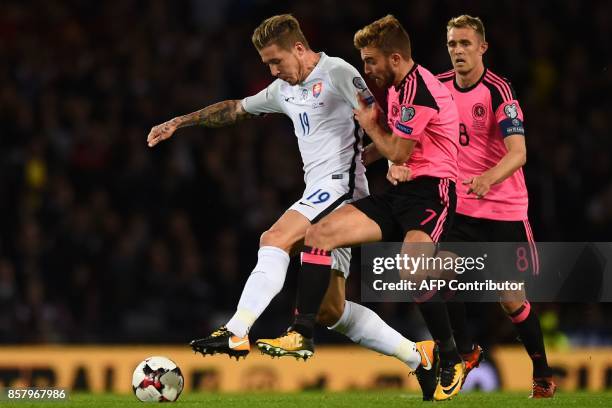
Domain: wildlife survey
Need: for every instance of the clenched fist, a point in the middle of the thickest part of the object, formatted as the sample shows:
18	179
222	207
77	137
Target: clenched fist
398	174
162	132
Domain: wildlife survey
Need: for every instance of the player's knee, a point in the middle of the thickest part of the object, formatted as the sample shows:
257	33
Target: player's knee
329	313
510	307
276	238
312	236
320	236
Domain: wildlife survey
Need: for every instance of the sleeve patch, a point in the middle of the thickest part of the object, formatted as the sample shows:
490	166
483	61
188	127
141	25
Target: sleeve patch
403	128
511	111
511	127
408	113
359	83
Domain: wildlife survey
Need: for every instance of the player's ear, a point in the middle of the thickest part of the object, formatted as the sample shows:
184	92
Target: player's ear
395	59
299	48
484	46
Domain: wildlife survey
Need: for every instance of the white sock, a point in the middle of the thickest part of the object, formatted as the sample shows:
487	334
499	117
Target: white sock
264	283
366	328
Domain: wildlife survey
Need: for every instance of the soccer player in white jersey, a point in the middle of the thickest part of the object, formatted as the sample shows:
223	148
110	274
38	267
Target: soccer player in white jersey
318	93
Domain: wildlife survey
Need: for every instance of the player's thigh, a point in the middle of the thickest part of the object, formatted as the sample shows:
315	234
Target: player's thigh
467	229
513	254
321	198
426	209
288	231
332	306
347	226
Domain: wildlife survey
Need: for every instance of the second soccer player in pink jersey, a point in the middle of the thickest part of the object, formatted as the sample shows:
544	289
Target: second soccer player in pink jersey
420	109
491	119
491	193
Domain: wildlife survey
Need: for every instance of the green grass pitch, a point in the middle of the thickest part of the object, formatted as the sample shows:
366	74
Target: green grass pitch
386	399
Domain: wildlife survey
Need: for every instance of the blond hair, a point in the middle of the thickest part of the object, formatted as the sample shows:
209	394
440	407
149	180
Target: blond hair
386	34
282	30
467	21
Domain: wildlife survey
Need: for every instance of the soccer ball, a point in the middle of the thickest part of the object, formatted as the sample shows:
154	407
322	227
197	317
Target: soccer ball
157	379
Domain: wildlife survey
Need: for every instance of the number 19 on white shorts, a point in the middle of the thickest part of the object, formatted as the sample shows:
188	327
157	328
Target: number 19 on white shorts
322	198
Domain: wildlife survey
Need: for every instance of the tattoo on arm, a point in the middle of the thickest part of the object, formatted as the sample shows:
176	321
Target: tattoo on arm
218	115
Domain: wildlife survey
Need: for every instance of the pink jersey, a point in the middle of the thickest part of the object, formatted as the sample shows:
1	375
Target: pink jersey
489	112
422	109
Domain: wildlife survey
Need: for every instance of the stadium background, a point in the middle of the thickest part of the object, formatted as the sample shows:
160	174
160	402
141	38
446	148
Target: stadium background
104	241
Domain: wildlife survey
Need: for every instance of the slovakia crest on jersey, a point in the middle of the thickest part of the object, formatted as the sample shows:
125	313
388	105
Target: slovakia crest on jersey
316	89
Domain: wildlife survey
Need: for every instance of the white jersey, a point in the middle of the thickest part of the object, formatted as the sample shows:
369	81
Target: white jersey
321	109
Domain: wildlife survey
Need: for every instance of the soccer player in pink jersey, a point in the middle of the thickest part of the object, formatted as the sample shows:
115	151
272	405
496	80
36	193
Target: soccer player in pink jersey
420	132
491	195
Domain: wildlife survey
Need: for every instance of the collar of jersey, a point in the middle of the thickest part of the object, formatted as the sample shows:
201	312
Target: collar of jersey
403	82
469	88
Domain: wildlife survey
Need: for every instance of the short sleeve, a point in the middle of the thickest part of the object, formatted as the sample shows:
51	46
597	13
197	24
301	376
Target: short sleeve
504	105
414	108
509	116
266	101
348	82
412	120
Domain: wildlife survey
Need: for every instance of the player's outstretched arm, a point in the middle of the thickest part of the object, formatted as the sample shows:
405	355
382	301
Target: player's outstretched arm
217	115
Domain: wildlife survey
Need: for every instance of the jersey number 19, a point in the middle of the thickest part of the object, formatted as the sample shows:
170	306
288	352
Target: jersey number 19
305	124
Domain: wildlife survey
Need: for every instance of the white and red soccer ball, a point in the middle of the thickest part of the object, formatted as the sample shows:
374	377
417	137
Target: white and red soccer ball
157	379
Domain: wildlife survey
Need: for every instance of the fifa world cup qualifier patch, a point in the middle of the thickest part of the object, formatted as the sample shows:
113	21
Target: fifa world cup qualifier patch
511	111
359	83
407	113
512	124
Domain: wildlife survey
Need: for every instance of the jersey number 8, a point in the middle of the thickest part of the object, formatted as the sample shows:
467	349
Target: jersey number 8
464	138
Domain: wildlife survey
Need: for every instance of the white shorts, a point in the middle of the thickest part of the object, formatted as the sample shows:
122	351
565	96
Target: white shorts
323	197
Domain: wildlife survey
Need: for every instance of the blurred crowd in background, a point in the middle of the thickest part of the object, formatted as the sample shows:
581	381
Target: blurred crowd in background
105	240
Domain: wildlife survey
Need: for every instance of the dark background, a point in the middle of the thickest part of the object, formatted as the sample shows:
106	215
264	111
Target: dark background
105	240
